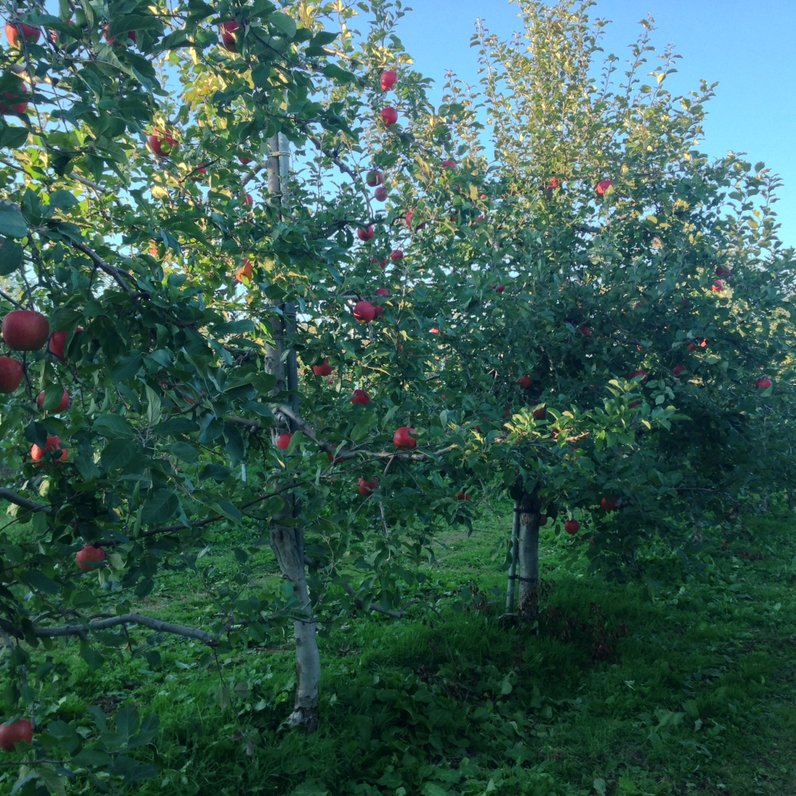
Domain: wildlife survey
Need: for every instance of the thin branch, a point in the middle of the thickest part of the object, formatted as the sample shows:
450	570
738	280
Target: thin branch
104	265
26	503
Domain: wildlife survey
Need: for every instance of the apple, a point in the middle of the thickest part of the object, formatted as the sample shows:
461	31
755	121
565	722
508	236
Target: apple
367	488
16	732
584	330
396	255
402	437
717	286
322	368
448	164
380	194
365	233
360	397
11	373
500	288
249	199
374	178
571	526
131	35
25	330
388	79
57	344
244	160
246	271
162	144
608	503
389	116
89	557
763	383
641	373
52	445
408	220
378	311
283	441
553	184
17	31
525	381
540	413
723	272
542	520
678	369
382	291
229	37
65	401
604	187
364	311
433	330
462	496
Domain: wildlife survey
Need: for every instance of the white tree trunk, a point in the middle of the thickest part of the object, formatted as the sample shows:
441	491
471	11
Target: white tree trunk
529	560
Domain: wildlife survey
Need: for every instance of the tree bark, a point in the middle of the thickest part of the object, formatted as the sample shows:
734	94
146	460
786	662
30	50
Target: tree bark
287	537
528	550
511	585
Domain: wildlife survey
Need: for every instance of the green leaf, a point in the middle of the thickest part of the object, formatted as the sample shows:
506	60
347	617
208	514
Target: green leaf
11	255
116	454
161	505
113	426
283	23
12	222
12	137
63	200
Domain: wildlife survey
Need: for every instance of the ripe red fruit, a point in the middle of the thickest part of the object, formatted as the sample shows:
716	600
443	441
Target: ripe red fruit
246	271
244	160
402	437
16	732
283	441
584	330
717	286
604	187
540	413
249	199
608	503
360	397
162	144
553	184
723	272
65	401
525	381
571	526
25	330
641	373
229	37
448	164
433	330
364	311
388	79
11	373
131	36
389	116
57	344
322	368
17	31
382	291
763	383
365	233
51	446
396	255
374	178
89	557
380	194
367	487
678	370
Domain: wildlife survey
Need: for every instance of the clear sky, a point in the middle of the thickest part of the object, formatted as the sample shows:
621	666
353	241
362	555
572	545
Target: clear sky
748	48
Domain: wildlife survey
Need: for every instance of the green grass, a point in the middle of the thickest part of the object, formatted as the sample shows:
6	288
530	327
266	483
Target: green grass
664	688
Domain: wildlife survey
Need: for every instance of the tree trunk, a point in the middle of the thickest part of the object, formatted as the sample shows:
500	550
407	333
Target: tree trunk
511	585
528	550
287	537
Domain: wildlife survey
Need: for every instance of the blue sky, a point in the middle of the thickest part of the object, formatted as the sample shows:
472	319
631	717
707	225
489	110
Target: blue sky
748	48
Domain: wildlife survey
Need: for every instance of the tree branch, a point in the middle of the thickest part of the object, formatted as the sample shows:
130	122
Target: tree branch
26	503
105	266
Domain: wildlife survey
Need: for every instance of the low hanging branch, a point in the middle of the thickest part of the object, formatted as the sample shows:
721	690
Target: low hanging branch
113	621
25	503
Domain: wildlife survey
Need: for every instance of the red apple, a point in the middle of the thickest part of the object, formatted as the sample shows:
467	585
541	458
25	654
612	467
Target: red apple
763	383
402	437
388	79
500	288
52	446
584	330
322	368
374	178
571	526
131	36
17	31
433	330
723	272
448	164
717	286
367	487
608	503
11	373
229	37
408	220
678	369
246	271
540	413
57	344
380	194
365	233
16	732
364	311
360	397
396	254
65	401
162	144
89	557
525	381
604	187
641	373
283	441
389	116
382	291
244	160
553	184
25	330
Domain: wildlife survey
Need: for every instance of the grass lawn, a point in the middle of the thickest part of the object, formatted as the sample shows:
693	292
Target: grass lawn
666	687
